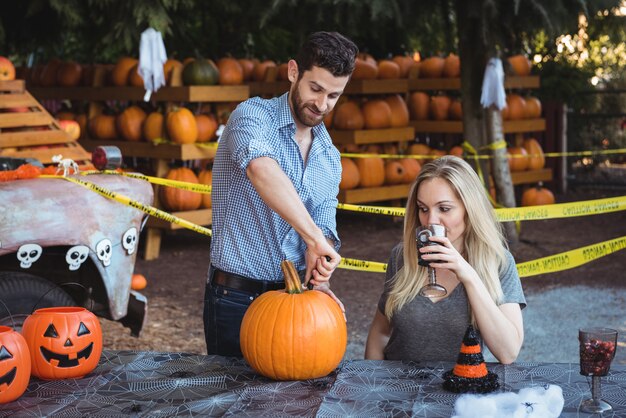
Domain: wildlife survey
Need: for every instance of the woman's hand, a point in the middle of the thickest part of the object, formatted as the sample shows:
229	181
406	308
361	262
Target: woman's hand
446	256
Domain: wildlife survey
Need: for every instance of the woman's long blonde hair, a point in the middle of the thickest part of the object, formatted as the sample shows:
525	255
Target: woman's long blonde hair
483	240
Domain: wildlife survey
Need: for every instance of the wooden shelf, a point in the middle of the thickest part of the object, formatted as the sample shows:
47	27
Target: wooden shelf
456	126
372	136
175	94
374	194
531	176
199	217
390	86
161	151
510	82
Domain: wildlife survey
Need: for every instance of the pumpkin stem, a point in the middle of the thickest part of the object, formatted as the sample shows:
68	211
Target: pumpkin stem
292	280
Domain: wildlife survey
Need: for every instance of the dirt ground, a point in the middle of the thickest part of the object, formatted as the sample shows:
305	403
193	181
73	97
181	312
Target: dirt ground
176	283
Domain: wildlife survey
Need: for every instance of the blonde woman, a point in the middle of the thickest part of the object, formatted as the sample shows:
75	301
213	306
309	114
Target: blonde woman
472	262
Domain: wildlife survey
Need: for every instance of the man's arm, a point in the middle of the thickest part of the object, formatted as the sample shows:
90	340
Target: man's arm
278	192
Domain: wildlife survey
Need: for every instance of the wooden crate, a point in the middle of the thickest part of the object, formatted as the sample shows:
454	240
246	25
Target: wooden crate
27	130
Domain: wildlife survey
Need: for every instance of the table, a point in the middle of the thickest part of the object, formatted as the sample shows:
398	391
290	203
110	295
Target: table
131	383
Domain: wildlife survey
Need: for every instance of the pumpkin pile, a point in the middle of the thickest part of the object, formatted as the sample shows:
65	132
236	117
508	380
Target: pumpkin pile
293	334
373	113
180	200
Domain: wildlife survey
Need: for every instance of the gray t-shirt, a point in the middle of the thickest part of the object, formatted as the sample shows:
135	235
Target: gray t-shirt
427	331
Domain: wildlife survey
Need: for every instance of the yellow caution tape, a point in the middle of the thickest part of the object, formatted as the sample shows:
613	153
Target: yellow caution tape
150	210
192	187
526	213
570	259
360	265
558	262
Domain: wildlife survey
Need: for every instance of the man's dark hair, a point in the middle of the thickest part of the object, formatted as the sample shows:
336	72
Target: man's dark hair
329	50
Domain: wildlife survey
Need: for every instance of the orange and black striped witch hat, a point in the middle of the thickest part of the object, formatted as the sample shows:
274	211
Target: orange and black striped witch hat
470	374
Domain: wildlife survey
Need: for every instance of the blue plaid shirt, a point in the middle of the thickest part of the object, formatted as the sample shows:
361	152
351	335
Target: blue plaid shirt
249	238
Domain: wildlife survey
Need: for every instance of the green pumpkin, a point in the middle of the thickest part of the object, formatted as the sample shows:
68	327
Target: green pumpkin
200	72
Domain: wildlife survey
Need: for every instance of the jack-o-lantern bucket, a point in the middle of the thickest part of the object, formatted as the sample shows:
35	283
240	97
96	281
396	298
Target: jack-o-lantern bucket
14	365
64	342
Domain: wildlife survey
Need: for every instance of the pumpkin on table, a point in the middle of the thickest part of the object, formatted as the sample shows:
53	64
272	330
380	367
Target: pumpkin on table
64	342
206	177
536	159
350	176
293	334
14	365
200	72
129	123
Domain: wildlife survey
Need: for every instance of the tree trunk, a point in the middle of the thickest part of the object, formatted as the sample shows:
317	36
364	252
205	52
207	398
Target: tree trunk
481	127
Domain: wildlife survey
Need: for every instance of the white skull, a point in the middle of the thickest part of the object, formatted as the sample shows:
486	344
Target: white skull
28	254
129	240
76	256
104	250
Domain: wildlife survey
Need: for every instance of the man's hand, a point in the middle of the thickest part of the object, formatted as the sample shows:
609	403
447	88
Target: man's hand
325	288
321	262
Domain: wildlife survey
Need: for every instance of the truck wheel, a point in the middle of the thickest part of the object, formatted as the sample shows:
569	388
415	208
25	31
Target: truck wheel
23	293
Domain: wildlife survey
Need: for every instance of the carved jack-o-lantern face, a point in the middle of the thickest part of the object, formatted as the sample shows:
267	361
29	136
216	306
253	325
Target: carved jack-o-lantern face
64	342
14	365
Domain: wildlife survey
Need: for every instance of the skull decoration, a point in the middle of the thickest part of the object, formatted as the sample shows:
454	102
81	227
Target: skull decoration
64	342
28	254
104	251
76	256
129	240
14	365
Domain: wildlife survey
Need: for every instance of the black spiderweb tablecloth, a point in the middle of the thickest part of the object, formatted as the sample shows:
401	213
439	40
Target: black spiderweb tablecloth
150	384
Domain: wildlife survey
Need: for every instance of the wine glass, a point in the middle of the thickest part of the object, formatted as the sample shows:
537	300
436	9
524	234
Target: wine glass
422	237
597	349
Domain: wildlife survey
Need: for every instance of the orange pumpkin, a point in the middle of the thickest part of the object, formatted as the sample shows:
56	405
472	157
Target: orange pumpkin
350	176
456	110
348	115
439	107
388	69
207	127
260	70
206	177
394	172
532	110
451	66
14	365
412	168
134	79
538	195
64	342
169	67
119	75
283	72
371	171
405	62
419	105
515	105
7	69
103	127
520	64
518	158
457	151
181	126
536	159
293	334
130	122
418	149
231	72
431	67
69	74
138	282
364	69
248	67
399	111
48	76
377	114
153	126
176	199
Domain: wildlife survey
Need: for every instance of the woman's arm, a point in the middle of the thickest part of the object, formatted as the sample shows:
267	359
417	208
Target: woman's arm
501	327
378	337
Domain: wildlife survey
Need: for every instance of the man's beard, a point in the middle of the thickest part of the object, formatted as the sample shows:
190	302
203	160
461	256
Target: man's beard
299	110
